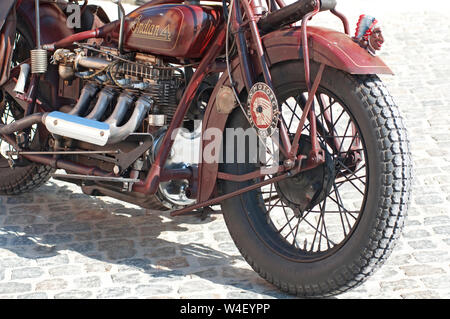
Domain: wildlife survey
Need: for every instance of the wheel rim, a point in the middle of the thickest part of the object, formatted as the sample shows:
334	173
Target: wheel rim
321	230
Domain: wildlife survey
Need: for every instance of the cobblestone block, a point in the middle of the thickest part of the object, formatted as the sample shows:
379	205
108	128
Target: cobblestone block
53	260
194	286
82	247
140	264
22	199
38	229
97	267
422	244
57	238
66	270
175	262
88	282
163	252
403	284
421	295
74	226
421	270
19	219
34	295
51	284
14	287
116	292
442	230
437	282
15	262
28	272
118	249
149	290
74	294
431	256
24	209
127	278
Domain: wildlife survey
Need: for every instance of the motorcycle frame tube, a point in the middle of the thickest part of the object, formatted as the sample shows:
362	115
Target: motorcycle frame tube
241	45
315	156
344	20
257	42
221	198
281	3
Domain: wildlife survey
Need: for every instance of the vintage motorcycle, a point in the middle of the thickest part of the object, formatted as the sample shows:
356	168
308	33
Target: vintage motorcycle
296	137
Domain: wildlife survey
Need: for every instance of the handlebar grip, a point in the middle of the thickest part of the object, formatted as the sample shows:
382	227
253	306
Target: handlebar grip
292	13
327	5
286	15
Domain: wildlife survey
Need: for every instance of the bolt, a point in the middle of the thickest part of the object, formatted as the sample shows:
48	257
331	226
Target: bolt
102	133
288	164
55	122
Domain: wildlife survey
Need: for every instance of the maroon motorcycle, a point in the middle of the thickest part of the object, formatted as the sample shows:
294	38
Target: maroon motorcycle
180	106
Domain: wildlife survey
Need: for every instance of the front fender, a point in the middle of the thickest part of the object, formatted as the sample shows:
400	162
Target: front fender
334	49
327	46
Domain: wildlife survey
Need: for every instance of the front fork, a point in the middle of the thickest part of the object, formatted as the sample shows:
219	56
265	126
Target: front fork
292	161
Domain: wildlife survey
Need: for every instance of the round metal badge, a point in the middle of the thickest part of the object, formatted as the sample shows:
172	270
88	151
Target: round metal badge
262	109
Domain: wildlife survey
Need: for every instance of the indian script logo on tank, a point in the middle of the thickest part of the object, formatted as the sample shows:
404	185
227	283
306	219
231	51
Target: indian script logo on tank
149	30
263	109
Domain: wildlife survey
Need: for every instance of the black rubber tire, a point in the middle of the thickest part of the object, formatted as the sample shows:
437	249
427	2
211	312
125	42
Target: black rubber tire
21	179
381	222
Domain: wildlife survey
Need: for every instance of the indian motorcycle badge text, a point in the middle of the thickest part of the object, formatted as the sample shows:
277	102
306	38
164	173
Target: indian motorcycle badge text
149	30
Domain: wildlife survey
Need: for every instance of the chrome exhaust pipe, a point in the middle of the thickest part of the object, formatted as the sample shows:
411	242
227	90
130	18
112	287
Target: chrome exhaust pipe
141	108
90	129
76	127
105	97
87	94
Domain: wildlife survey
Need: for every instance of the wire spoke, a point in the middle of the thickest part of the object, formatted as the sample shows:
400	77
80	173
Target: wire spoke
350	181
330	219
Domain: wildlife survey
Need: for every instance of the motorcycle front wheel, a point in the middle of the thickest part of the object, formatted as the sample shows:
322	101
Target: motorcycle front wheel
324	231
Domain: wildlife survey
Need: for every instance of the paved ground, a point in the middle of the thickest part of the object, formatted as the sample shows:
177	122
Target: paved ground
59	243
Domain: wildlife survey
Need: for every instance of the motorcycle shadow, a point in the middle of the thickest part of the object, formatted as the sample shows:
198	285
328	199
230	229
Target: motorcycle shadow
60	232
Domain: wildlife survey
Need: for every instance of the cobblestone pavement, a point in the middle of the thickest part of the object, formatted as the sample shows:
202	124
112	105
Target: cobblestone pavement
59	243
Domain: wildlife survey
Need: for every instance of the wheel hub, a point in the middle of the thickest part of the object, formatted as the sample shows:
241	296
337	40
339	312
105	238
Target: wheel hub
306	189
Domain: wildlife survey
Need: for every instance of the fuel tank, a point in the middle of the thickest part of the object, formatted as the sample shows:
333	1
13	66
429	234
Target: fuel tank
175	30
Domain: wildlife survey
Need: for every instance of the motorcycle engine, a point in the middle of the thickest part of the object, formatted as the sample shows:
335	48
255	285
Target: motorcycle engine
138	72
147	75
